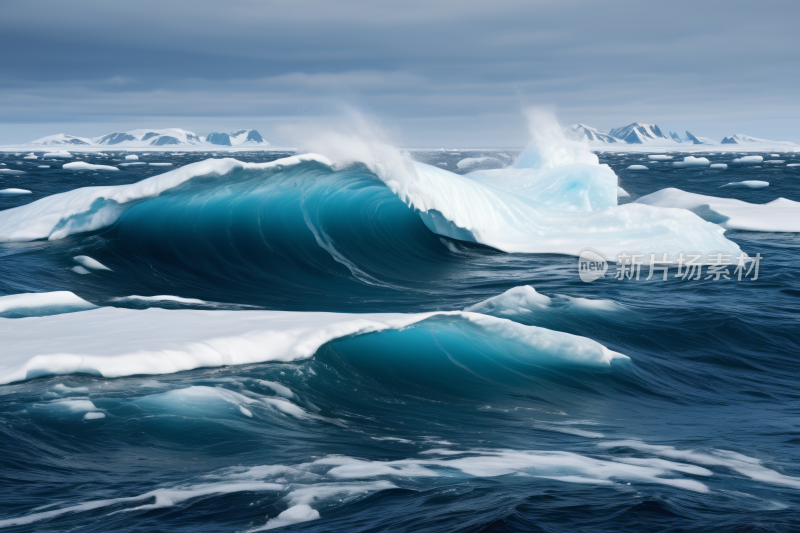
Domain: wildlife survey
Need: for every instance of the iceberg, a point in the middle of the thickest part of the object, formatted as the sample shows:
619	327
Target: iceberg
659	157
637	167
719	166
131	157
779	215
11	171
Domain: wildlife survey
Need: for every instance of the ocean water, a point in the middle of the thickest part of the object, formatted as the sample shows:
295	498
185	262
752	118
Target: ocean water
441	426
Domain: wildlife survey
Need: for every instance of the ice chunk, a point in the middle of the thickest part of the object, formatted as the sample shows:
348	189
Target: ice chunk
82	165
622	193
115	342
793	165
80	270
160	164
42	304
11	171
31	156
719	166
13	192
88	262
774	162
659	157
691	161
749	160
43	166
778	215
63	154
134	163
519	300
94	415
161	298
774	155
637	167
131	157
753	184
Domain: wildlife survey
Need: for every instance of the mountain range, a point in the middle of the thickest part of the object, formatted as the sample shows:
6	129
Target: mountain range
157	137
638	133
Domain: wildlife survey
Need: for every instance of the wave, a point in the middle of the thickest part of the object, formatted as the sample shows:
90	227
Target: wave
110	342
560	210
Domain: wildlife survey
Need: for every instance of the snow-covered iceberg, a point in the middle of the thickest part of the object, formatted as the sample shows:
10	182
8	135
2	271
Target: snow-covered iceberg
777	215
41	304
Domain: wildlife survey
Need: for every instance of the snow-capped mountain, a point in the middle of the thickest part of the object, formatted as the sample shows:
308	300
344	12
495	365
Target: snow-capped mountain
699	140
236	138
746	139
638	133
157	137
675	137
584	132
61	139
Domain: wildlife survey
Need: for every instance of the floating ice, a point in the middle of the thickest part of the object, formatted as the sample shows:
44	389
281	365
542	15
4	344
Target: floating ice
30	156
774	155
793	165
82	165
88	262
774	162
622	193
42	304
637	167
516	301
80	270
160	164
131	157
691	161
112	342
161	298
659	157
753	184
719	166
43	166
13	192
11	171
95	415
133	163
63	154
749	160
778	215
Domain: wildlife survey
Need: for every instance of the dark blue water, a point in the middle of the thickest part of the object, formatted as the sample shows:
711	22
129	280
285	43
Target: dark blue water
434	428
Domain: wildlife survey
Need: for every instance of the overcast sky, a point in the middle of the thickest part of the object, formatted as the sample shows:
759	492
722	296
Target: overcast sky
436	73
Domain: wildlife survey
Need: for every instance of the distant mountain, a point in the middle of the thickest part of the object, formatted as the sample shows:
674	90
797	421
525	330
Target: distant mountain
699	140
157	137
62	139
675	137
582	131
236	138
638	133
746	139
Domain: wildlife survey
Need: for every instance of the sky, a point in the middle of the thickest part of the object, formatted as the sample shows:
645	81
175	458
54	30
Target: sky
433	73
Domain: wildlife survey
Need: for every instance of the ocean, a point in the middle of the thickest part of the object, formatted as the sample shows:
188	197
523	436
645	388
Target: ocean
297	345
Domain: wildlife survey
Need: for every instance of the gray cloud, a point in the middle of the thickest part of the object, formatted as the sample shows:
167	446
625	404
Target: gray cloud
444	72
